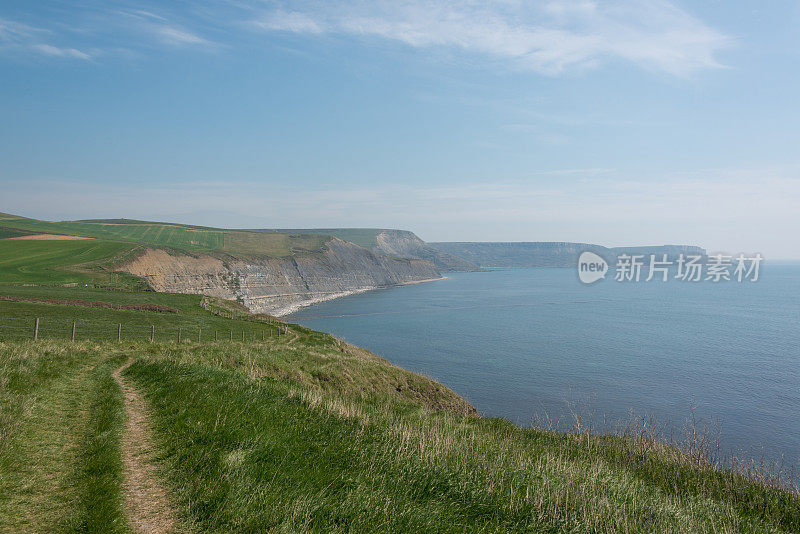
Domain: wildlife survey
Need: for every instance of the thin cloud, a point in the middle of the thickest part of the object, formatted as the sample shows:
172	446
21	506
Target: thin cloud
50	50
166	32
175	36
292	22
546	37
19	38
109	31
13	32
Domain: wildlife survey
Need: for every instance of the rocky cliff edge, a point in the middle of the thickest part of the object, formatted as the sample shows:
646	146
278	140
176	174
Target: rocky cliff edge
279	286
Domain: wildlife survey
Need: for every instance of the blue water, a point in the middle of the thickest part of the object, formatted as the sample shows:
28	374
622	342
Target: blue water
521	343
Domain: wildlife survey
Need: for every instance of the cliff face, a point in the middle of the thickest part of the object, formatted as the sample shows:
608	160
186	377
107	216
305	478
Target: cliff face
405	244
280	285
550	254
396	243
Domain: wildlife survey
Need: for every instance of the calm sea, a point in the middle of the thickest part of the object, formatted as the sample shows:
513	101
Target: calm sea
524	342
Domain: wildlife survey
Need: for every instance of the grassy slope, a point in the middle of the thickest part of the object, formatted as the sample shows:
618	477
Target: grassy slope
55	320
249	453
364	237
178	236
57	262
12	232
295	434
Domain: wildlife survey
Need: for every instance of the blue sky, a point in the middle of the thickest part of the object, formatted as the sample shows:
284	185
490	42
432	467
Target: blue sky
619	122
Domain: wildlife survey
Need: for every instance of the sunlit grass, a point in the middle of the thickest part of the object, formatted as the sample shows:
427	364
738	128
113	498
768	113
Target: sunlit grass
305	433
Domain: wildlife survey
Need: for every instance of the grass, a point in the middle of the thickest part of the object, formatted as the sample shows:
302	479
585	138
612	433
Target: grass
363	237
6	233
97	324
98	477
304	433
246	451
182	237
59	428
58	262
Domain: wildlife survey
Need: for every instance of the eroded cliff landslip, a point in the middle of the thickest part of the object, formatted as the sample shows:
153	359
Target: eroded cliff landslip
279	286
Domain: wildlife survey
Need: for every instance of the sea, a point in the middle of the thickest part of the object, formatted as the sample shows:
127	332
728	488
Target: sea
536	346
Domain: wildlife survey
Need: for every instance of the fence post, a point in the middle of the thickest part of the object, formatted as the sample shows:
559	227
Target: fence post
152	332
242	335
36	329
179	334
199	333
119	332
231	333
73	330
215	335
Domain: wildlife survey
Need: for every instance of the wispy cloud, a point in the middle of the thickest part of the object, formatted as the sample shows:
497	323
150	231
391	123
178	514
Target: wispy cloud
166	31
92	33
547	37
22	38
176	36
50	50
289	21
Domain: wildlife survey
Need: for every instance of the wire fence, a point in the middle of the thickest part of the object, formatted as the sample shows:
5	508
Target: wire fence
36	328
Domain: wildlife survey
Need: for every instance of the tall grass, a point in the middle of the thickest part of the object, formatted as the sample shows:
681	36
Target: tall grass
248	449
304	433
60	421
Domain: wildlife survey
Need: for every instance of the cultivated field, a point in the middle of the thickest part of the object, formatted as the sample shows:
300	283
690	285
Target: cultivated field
58	262
176	236
364	237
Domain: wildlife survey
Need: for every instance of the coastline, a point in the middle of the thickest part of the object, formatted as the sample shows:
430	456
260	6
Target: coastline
324	297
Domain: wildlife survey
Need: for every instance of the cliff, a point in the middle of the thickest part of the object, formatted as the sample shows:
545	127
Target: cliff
396	243
548	254
405	244
279	286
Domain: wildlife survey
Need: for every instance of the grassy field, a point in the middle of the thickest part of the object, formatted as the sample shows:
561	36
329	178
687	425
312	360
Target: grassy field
364	237
176	236
6	233
97	324
58	262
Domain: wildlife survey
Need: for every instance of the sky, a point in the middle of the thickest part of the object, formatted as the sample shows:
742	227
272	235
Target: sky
624	122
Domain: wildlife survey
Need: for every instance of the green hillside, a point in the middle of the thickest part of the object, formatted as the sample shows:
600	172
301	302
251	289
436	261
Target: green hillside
58	262
302	434
6	233
363	237
177	236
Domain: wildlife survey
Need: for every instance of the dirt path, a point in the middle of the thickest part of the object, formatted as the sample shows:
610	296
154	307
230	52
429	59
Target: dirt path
146	504
295	338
